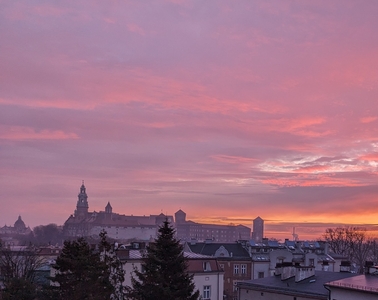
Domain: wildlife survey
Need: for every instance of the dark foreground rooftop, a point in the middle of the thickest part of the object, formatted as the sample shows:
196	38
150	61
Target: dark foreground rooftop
368	283
313	285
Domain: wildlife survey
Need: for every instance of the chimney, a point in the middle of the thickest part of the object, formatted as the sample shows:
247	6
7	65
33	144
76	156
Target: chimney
345	266
302	273
288	270
278	269
325	266
326	248
369	267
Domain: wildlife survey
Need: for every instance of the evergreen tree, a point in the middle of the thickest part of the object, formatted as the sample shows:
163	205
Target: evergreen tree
20	289
164	274
87	273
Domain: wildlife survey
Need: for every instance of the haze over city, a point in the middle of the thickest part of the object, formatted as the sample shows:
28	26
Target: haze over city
226	110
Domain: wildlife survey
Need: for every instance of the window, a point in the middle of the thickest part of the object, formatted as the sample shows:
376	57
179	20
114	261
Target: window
243	269
221	266
236	269
206	291
261	275
206	266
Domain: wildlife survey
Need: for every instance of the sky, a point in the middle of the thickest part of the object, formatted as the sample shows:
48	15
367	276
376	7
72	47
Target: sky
227	110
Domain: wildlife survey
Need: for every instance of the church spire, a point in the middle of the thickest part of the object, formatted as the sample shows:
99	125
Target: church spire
108	208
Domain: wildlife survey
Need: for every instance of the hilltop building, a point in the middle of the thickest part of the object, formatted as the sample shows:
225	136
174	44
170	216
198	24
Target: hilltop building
143	228
258	230
120	227
16	234
19	227
187	230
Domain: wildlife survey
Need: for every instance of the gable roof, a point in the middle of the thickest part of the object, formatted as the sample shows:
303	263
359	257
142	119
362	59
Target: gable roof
210	249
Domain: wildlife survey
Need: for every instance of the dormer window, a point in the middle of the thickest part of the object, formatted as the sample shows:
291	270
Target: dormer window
206	266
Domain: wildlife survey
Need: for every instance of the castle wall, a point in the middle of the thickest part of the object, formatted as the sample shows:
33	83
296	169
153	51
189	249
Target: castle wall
144	233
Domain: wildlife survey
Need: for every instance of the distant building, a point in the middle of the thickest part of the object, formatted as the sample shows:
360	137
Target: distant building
117	226
19	227
187	230
258	230
11	234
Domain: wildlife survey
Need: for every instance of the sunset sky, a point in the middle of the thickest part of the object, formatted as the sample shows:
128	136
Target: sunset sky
227	110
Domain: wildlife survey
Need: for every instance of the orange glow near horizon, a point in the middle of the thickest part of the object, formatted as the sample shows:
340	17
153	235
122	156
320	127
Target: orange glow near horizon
244	110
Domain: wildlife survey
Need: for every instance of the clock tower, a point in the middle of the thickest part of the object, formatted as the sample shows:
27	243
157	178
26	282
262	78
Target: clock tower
82	203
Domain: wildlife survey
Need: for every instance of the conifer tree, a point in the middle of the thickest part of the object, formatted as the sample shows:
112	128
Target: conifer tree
164	274
87	273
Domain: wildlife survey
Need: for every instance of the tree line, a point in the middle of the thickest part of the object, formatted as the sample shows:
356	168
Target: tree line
85	271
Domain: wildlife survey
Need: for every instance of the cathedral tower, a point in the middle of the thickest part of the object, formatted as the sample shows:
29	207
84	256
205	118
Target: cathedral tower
82	203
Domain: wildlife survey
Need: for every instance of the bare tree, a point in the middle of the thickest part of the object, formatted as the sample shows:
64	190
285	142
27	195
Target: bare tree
351	242
19	264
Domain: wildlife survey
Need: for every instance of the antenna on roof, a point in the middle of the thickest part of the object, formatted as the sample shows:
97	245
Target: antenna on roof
295	236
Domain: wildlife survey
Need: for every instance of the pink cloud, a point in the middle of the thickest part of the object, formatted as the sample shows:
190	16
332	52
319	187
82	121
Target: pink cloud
25	133
370	157
234	159
312	169
368	119
135	29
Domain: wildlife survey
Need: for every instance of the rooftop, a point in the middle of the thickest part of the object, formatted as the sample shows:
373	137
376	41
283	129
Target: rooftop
313	285
215	249
368	283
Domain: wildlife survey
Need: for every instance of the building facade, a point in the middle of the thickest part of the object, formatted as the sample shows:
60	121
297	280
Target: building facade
187	230
232	258
207	275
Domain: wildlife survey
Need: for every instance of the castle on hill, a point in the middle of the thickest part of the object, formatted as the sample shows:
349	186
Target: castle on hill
144	228
117	226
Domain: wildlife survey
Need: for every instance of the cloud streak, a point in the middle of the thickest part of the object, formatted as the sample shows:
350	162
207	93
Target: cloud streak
228	111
